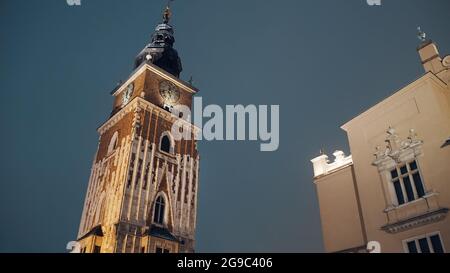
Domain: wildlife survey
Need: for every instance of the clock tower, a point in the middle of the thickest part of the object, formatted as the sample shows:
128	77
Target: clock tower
142	193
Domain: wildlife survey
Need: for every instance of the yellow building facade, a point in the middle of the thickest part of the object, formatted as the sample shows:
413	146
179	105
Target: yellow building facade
394	188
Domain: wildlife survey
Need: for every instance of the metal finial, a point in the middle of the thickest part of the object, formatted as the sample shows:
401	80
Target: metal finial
421	35
167	13
191	80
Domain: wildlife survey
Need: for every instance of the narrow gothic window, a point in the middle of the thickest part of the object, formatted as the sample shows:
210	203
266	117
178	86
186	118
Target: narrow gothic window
165	144
158	215
407	183
113	143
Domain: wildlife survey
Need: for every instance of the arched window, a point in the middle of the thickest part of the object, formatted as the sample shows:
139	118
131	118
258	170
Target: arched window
113	142
158	214
166	144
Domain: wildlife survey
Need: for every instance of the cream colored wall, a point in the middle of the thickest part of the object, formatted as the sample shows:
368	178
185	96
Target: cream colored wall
424	106
341	222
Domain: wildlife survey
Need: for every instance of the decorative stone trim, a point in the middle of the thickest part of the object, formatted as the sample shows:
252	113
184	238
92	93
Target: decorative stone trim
323	167
167	157
411	214
424	219
180	83
138	104
397	150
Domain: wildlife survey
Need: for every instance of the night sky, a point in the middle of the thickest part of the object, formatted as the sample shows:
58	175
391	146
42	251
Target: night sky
322	61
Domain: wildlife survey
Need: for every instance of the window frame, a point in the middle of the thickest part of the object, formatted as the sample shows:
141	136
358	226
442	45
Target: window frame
171	142
164	211
426	236
162	250
406	176
113	143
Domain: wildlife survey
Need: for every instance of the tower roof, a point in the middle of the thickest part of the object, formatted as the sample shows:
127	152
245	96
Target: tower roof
160	51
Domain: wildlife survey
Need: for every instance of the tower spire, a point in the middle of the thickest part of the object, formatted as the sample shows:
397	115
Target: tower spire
167	13
160	51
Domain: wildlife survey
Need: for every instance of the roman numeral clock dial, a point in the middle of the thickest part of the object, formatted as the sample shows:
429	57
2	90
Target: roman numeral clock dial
169	92
127	94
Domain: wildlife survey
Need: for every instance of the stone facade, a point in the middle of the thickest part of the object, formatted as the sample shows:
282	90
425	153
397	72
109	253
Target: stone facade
394	189
131	170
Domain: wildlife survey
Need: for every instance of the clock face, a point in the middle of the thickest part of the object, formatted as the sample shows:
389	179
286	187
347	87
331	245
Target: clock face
127	94
169	92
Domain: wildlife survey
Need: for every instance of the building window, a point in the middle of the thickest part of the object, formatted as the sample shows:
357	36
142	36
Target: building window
158	215
113	143
97	249
407	182
426	244
166	144
161	250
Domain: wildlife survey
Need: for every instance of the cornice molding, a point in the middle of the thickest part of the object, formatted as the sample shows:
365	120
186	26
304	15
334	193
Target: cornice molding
150	67
138	104
424	219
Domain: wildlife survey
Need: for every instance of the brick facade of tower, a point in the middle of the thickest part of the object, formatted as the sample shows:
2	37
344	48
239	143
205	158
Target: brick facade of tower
131	170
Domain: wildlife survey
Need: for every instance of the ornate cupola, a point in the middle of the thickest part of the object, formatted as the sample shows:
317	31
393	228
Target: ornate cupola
160	51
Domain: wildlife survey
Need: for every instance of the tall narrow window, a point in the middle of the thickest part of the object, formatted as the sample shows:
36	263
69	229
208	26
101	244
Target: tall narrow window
436	244
113	143
399	192
407	183
412	248
158	215
424	246
165	144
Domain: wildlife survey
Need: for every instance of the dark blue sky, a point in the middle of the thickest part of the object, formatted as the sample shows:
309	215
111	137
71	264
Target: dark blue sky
322	61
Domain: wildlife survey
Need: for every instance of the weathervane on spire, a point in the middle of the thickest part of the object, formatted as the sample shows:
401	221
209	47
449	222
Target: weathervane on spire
167	13
421	35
